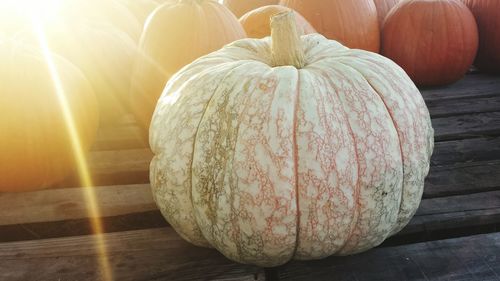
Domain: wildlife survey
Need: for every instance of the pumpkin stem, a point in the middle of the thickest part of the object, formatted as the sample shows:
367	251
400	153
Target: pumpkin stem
286	46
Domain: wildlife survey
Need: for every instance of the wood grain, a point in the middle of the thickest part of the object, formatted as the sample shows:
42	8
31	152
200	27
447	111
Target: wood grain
462	178
448	213
70	203
152	254
446	108
468	150
471	86
115	167
120	137
466	259
467	126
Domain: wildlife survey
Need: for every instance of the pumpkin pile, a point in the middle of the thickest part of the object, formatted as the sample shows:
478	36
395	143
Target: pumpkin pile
278	130
92	45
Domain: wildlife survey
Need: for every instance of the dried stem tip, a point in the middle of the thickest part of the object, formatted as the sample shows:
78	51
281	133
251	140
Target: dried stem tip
286	45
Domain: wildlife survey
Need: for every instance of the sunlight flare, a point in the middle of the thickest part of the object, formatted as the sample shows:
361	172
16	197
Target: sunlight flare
81	161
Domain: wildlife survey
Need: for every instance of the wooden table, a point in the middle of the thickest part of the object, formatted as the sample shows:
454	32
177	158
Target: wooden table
46	235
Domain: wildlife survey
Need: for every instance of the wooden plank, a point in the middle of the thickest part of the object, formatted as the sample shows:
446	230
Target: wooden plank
467	126
115	167
446	215
468	150
465	259
153	254
70	203
462	178
453	204
446	108
120	137
471	86
452	216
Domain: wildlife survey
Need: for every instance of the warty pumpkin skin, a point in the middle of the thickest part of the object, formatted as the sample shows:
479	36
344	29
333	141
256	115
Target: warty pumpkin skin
268	164
240	7
35	148
256	22
177	33
435	42
383	8
487	14
353	23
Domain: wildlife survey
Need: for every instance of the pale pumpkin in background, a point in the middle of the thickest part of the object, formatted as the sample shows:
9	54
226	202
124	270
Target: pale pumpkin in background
256	22
102	11
17	15
247	136
240	7
383	8
487	14
140	8
35	148
103	53
177	33
435	42
353	23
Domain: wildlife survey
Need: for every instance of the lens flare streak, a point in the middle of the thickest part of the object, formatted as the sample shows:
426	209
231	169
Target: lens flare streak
82	167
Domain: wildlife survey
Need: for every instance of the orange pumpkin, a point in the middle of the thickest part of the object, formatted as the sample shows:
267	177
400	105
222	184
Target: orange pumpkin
240	7
177	33
36	150
352	23
257	22
487	14
435	42
383	8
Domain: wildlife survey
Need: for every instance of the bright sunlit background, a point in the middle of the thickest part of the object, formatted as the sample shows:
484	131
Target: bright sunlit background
57	30
66	71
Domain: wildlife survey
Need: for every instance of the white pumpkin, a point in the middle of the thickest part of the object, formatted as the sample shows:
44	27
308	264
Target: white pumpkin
325	155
